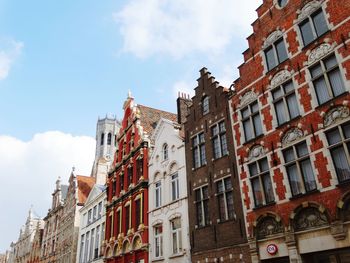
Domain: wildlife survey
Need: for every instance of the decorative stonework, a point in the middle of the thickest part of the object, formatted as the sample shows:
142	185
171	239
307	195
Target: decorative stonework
308	9
268	226
247	98
291	136
280	78
335	115
272	38
256	152
309	217
319	52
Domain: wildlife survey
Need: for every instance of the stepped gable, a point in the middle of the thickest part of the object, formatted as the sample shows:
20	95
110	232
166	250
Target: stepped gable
85	184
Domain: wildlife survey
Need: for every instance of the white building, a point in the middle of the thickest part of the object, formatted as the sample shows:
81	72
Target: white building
168	208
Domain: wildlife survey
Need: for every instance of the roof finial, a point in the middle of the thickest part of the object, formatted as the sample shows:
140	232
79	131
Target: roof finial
129	94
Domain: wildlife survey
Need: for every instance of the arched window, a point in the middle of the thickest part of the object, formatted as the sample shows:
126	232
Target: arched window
109	139
102	138
165	152
205	105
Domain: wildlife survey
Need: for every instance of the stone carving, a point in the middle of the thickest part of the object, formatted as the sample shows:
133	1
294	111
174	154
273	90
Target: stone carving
292	135
255	152
308	9
272	38
247	98
309	217
317	53
268	226
335	115
126	247
137	243
280	78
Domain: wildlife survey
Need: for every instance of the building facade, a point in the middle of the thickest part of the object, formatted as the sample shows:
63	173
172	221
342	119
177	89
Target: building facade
290	117
35	251
216	221
52	224
168	206
78	190
127	186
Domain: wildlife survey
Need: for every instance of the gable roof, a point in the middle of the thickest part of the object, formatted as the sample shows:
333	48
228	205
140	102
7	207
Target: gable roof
85	184
96	190
150	117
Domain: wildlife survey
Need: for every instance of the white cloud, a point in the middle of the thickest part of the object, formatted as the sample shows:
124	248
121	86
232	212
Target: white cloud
29	170
10	50
180	27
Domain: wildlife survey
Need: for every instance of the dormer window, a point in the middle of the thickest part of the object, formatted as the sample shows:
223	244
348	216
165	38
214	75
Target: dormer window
165	152
275	54
205	105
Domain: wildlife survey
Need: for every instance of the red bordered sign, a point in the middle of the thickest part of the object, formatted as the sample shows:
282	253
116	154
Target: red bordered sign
272	249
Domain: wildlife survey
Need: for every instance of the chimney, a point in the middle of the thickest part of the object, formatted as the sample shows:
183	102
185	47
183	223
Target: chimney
183	104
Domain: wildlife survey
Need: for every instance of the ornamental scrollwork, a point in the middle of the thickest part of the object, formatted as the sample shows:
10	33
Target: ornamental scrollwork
247	98
268	226
280	78
255	152
319	52
272	38
308	9
335	115
309	217
291	136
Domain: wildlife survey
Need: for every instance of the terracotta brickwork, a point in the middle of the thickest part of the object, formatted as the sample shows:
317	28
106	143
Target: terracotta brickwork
287	103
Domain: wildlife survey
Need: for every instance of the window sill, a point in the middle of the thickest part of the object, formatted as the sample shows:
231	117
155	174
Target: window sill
158	259
279	126
304	194
263	206
177	255
315	41
197	168
225	221
201	227
332	100
253	139
216	159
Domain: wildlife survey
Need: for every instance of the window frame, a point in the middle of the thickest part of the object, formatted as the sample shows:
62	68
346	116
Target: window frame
276	55
204	204
224	194
158	236
198	150
175	186
219	140
165	152
205	105
177	232
158	194
249	118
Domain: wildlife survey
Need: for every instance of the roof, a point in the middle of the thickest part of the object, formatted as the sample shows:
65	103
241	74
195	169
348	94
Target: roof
150	117
85	184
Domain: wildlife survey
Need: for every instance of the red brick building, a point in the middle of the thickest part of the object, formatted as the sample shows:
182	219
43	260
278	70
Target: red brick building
126	236
291	127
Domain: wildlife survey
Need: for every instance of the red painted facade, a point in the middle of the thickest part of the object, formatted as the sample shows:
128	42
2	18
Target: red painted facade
256	87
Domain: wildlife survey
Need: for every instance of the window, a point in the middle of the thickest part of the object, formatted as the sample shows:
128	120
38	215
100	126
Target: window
224	194
261	182
276	54
218	133
130	174
119	222
109	139
94	214
92	242
121	181
198	148
158	241
81	254
327	79
139	168
251	121
299	169
137	212
165	152
176	235
175	187
282	3
285	102
205	105
97	242
202	206
99	209
313	27
102	138
339	146
102	232
89	217
158	194
127	218
86	254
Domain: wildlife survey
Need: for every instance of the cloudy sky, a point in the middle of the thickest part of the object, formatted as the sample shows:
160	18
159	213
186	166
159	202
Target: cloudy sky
64	63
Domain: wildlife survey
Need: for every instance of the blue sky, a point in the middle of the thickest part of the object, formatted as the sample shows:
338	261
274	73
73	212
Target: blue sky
64	63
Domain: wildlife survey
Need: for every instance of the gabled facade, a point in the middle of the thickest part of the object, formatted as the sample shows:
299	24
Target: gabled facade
291	119
216	221
126	238
168	206
35	252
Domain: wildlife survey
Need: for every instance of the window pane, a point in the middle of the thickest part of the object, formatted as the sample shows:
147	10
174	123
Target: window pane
281	51
280	112
336	82
224	145
346	130
268	188
248	132
302	149
221	201
258	194
228	184
216	147
215	130
206	211
222	127
341	163
257	124
229	201
205	192
309	178
316	71
245	113
201	138
333	137
199	214
254	107
277	93
263	165
220	186
294	180
330	62
288	155
306	32
203	158
293	106
270	58
321	90
253	169
288	87
320	23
